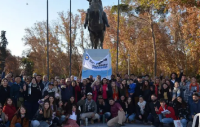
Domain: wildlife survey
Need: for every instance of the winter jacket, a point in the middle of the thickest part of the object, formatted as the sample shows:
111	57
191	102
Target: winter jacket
23	121
15	92
93	106
131	109
66	93
195	108
4	94
32	94
40	117
181	109
171	115
138	89
10	110
165	94
132	88
147	95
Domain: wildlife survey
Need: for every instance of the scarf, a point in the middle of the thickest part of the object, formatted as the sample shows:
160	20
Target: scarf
29	87
197	85
88	105
156	89
142	106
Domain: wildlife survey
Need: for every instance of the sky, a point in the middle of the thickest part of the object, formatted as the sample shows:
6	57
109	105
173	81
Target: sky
16	15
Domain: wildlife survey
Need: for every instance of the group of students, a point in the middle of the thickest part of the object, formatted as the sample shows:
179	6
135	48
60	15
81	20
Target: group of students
59	102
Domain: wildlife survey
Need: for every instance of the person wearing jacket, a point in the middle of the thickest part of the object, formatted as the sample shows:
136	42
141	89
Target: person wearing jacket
3	117
39	82
123	103
146	91
68	105
103	109
16	92
153	117
32	94
66	91
9	109
140	110
43	117
123	88
195	107
181	110
89	108
131	88
114	91
117	114
73	118
20	119
4	91
49	90
176	91
130	108
96	87
105	90
165	93
138	89
166	113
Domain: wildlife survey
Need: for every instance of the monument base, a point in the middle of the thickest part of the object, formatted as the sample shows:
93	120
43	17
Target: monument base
96	62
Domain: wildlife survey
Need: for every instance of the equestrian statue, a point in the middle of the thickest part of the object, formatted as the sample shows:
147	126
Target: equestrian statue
97	21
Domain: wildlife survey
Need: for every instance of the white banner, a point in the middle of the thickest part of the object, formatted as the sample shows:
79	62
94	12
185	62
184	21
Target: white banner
91	64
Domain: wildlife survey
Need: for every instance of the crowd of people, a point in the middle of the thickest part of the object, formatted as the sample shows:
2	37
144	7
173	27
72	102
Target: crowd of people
36	101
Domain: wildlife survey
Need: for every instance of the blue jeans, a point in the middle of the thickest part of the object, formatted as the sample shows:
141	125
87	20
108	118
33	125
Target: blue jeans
184	122
165	120
8	124
131	117
18	125
106	115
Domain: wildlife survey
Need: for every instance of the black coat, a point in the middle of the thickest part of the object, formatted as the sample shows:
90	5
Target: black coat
138	89
130	109
161	95
147	95
4	94
181	109
150	108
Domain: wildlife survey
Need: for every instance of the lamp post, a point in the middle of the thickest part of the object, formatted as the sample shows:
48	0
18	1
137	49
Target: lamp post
129	64
70	41
117	38
48	39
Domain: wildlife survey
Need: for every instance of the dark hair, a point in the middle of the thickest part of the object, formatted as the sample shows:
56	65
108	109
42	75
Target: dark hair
7	100
162	100
196	94
146	75
111	99
172	74
130	79
18	114
54	103
144	86
140	77
5	79
132	75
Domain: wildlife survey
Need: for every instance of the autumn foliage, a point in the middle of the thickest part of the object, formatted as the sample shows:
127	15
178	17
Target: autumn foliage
177	40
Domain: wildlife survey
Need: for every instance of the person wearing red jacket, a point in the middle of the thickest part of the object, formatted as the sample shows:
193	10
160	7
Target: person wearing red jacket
9	109
166	113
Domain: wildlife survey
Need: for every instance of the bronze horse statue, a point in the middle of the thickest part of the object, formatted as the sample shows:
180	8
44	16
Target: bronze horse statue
97	23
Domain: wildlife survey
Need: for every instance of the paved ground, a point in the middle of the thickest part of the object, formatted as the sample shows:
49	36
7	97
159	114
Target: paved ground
126	125
129	125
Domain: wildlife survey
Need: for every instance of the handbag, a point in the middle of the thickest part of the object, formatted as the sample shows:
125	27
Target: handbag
177	123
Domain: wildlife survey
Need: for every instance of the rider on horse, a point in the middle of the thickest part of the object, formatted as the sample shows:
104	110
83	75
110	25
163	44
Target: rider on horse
104	17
